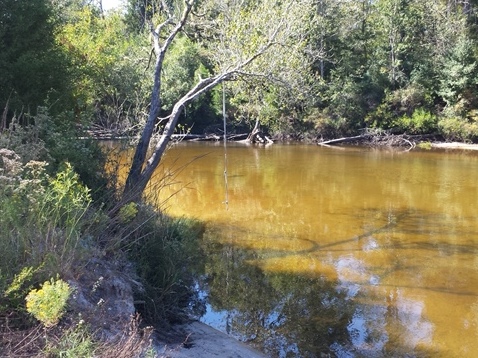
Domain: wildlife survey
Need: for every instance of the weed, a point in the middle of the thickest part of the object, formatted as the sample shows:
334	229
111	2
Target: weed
74	342
48	303
425	145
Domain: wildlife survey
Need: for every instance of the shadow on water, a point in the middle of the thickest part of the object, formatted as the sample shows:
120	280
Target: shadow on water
286	314
281	314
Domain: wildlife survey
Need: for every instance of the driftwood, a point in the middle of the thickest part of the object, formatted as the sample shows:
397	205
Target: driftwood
381	139
346	139
111	134
179	137
238	137
208	137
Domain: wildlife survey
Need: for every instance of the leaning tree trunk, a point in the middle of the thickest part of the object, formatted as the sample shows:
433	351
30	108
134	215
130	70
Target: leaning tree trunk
136	181
142	168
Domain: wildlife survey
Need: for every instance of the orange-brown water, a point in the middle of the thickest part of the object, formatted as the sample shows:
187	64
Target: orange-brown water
347	251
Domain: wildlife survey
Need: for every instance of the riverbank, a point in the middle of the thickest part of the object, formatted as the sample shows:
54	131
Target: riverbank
455	145
198	340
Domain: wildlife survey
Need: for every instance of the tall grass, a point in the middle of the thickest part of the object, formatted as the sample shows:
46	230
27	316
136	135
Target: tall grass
41	221
51	226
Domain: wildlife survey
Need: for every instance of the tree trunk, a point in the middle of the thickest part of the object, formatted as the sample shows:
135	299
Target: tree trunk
142	169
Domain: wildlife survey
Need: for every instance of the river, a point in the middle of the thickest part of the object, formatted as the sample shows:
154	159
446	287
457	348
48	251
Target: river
334	252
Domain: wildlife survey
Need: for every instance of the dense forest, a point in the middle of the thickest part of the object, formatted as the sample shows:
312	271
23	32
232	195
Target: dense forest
339	66
293	69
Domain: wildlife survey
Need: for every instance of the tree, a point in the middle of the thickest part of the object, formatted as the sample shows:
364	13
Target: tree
108	67
32	66
239	42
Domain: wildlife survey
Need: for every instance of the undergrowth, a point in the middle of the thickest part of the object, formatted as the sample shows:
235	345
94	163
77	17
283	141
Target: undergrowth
52	226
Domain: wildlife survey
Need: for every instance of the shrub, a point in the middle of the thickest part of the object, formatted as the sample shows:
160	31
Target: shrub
48	303
127	213
399	108
58	139
14	293
420	122
42	222
328	128
425	145
457	128
65	141
65	200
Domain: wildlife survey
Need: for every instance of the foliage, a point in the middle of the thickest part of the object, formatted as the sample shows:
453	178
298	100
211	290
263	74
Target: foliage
420	122
14	294
459	129
33	68
41	221
66	200
425	145
48	303
398	104
55	139
76	341
326	127
459	74
63	143
127	213
279	80
183	66
25	141
337	58
108	64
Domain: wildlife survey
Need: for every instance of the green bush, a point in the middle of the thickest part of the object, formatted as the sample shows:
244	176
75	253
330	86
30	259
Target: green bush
41	220
405	108
65	200
14	294
460	129
328	128
55	140
420	122
65	141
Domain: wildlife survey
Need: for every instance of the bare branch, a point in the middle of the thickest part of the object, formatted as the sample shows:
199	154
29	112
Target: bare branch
179	25
234	60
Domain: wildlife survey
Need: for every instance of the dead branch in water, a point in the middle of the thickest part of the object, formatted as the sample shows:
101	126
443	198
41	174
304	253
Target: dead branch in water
381	139
346	139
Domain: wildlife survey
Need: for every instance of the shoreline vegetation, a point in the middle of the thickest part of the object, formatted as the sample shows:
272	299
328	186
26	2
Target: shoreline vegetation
373	138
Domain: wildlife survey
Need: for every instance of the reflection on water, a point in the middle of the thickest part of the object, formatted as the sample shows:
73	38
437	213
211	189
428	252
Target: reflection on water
348	253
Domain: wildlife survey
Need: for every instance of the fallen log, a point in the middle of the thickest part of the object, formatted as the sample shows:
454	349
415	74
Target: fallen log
345	139
208	137
241	136
179	137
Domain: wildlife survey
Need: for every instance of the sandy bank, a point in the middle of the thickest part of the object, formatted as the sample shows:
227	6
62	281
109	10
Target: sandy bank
455	145
198	340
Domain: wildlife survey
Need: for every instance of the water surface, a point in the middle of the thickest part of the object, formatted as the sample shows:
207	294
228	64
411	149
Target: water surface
345	252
